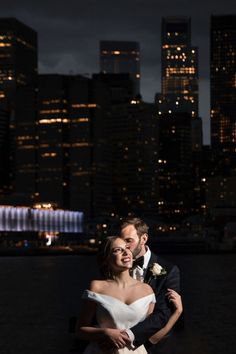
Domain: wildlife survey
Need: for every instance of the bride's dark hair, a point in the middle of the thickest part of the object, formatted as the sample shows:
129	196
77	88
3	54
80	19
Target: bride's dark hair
103	255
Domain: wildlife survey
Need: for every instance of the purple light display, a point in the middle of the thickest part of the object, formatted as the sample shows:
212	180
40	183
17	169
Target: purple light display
29	219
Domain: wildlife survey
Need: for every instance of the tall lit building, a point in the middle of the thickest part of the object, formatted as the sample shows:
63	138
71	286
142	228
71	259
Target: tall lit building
18	73
124	147
174	167
64	170
108	90
134	158
223	83
4	149
179	92
118	57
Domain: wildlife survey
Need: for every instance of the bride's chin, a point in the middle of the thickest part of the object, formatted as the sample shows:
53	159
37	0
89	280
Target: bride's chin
128	266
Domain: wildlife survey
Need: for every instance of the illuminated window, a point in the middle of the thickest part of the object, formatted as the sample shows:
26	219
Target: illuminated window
135	102
47	102
26	147
177	71
84	105
80	144
52	111
49	154
5	44
53	121
80	120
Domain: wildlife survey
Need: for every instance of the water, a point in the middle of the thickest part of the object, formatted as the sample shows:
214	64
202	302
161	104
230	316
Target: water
39	294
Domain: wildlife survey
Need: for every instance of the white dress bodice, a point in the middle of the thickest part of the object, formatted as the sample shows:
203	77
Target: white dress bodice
113	313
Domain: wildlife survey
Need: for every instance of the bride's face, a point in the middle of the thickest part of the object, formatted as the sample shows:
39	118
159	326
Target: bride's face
120	255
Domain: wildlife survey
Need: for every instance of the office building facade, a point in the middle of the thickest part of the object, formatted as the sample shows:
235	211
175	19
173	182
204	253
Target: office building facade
179	78
174	165
64	170
125	147
18	74
223	83
118	57
4	150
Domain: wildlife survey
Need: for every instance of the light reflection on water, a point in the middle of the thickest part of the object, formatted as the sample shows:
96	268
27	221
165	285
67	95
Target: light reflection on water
39	294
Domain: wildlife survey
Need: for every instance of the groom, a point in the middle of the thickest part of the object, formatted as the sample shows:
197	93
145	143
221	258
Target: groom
160	274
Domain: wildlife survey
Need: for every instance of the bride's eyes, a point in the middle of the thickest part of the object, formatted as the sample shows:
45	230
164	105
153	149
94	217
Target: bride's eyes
118	250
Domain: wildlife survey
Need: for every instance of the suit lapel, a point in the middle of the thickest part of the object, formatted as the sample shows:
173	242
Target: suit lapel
148	274
154	282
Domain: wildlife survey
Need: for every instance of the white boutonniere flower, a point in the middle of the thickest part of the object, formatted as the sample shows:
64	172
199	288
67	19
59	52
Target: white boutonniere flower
157	270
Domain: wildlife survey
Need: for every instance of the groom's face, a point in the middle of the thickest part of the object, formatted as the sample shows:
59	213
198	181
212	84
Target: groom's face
135	243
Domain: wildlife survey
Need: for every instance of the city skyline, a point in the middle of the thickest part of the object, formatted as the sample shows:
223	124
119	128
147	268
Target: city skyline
75	132
69	37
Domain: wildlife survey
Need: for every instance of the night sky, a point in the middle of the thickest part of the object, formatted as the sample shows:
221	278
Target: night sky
69	33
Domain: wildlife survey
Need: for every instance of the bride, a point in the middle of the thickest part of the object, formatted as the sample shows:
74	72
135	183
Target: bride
118	302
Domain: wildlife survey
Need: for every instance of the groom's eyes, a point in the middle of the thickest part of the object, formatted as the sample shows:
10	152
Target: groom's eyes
129	240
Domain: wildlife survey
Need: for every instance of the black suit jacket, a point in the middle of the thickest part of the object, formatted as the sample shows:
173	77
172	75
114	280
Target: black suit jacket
163	309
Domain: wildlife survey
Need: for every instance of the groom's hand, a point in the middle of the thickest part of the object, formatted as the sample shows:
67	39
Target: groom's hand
114	339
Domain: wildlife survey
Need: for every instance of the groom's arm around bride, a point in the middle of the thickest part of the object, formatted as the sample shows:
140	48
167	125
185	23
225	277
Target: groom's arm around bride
163	308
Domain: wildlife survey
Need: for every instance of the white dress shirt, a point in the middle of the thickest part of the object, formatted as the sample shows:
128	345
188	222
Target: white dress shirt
138	272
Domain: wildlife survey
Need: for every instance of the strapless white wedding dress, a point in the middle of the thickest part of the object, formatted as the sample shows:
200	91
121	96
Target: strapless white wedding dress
113	313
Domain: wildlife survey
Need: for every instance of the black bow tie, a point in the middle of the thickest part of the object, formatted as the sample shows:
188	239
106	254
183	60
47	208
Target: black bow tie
138	262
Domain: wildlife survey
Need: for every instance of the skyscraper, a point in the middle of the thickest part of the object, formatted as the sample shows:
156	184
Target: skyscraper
4	149
117	57
125	155
174	167
180	128
223	83
179	91
18	73
64	147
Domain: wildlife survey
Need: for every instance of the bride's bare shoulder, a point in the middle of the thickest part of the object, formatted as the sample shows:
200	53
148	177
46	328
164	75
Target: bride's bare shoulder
98	286
146	289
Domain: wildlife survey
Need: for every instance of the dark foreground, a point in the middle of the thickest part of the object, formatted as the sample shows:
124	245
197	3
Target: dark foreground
39	295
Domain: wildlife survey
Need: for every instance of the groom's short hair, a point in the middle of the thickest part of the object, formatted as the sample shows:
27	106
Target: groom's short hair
140	226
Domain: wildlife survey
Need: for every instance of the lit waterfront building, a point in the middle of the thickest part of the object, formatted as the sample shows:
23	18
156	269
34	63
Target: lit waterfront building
18	73
179	79
117	57
24	219
223	83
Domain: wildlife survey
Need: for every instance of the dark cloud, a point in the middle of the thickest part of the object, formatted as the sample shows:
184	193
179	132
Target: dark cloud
69	34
